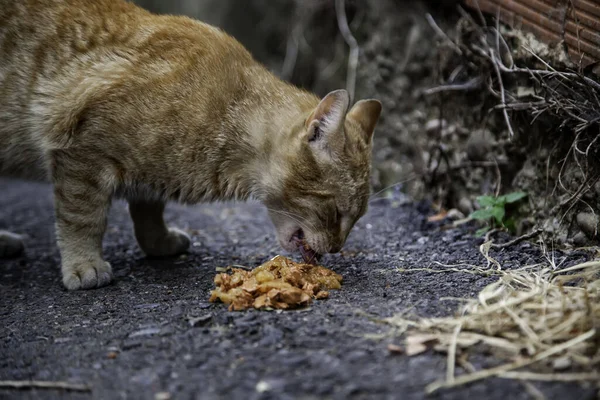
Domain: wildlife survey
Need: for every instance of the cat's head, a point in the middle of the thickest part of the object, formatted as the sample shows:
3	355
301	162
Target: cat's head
325	190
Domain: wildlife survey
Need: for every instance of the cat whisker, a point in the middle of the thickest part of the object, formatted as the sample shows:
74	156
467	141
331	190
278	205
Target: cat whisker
300	218
296	218
374	195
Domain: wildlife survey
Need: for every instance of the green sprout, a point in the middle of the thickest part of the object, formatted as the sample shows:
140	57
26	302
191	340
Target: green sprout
493	211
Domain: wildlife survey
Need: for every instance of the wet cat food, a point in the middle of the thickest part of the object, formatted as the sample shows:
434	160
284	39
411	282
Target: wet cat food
279	283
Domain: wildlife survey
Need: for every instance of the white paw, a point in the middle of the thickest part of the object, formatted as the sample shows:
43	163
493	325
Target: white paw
176	242
11	244
87	275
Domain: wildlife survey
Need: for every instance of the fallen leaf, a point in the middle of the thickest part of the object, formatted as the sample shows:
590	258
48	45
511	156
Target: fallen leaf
395	349
437	217
198	321
417	344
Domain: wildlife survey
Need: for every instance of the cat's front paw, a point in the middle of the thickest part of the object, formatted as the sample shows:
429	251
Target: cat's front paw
86	275
11	245
174	243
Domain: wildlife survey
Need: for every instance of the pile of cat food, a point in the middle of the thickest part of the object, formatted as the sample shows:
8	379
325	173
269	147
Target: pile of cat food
280	283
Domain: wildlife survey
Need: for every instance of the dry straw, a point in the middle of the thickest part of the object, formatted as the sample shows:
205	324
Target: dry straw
540	319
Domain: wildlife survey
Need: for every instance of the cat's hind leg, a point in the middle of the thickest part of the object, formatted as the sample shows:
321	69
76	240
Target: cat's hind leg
151	232
11	245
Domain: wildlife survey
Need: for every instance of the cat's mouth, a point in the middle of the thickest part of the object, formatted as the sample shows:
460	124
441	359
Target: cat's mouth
309	255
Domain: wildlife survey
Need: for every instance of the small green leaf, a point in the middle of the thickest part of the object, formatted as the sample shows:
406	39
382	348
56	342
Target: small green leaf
482	215
486	201
498	212
500	200
515	196
482	231
511	225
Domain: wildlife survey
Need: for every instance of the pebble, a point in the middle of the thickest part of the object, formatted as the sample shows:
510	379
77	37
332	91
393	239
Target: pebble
434	124
146	306
263	386
145	332
479	145
580	239
465	206
199	321
163	396
12	244
588	223
561	363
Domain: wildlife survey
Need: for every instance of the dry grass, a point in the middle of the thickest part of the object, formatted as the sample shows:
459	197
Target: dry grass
541	319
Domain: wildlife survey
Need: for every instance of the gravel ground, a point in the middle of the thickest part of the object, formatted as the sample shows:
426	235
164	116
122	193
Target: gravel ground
133	339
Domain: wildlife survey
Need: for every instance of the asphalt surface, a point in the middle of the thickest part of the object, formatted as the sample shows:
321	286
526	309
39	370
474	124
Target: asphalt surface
134	339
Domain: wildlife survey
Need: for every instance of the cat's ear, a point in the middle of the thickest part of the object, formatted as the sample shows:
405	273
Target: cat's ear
366	113
325	123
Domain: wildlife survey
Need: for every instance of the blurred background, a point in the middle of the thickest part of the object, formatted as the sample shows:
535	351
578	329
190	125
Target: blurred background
298	40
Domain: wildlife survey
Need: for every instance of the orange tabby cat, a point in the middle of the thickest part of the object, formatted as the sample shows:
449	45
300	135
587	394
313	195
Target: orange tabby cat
104	98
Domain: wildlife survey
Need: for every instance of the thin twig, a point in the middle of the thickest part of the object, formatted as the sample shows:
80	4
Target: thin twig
411	41
583	188
442	34
291	53
543	72
521	106
560	377
518	240
498	178
502	94
473	164
75	387
490	233
471	84
340	9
